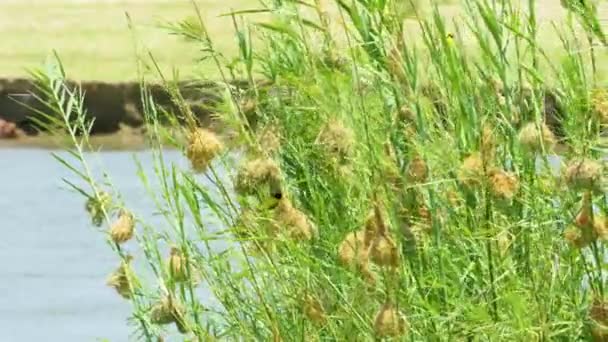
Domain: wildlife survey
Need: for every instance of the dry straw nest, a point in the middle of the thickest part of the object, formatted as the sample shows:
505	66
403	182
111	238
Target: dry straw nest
123	229
203	147
534	137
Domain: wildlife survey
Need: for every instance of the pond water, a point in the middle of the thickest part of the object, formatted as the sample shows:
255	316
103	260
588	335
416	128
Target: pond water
53	262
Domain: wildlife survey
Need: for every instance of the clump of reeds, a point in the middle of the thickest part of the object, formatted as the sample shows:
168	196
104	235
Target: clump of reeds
461	181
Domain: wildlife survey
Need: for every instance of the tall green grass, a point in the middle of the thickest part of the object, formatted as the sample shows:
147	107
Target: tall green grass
372	186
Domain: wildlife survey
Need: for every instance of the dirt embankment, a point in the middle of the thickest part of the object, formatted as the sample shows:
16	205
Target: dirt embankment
112	105
117	109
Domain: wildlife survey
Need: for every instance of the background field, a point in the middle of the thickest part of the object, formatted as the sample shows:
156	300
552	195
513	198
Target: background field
93	39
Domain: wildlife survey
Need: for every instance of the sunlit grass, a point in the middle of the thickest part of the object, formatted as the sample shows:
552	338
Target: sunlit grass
94	39
374	187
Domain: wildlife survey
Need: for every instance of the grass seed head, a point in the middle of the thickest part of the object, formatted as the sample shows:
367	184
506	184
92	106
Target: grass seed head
123	279
162	312
390	168
167	311
503	185
600	227
579	238
389	322
177	265
420	233
203	147
394	65
269	140
370	227
313	310
337	139
584	218
383	249
405	115
583	174
587	226
255	174
504	240
501	99
123	228
97	207
417	170
533	138
488	143
497	86
424	214
471	171
415	210
345	171
354	250
384	252
379	218
454	198
248	106
599	104
598	314
293	221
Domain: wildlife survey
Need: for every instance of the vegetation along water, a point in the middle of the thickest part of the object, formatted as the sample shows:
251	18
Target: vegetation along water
394	178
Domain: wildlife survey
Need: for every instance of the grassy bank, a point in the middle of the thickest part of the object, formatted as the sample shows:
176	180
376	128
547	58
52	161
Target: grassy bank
388	188
94	40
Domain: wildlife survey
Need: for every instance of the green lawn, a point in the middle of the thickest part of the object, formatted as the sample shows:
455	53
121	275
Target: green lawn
93	39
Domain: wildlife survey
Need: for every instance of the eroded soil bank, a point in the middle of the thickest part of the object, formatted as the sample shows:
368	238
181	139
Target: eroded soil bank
117	109
114	106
